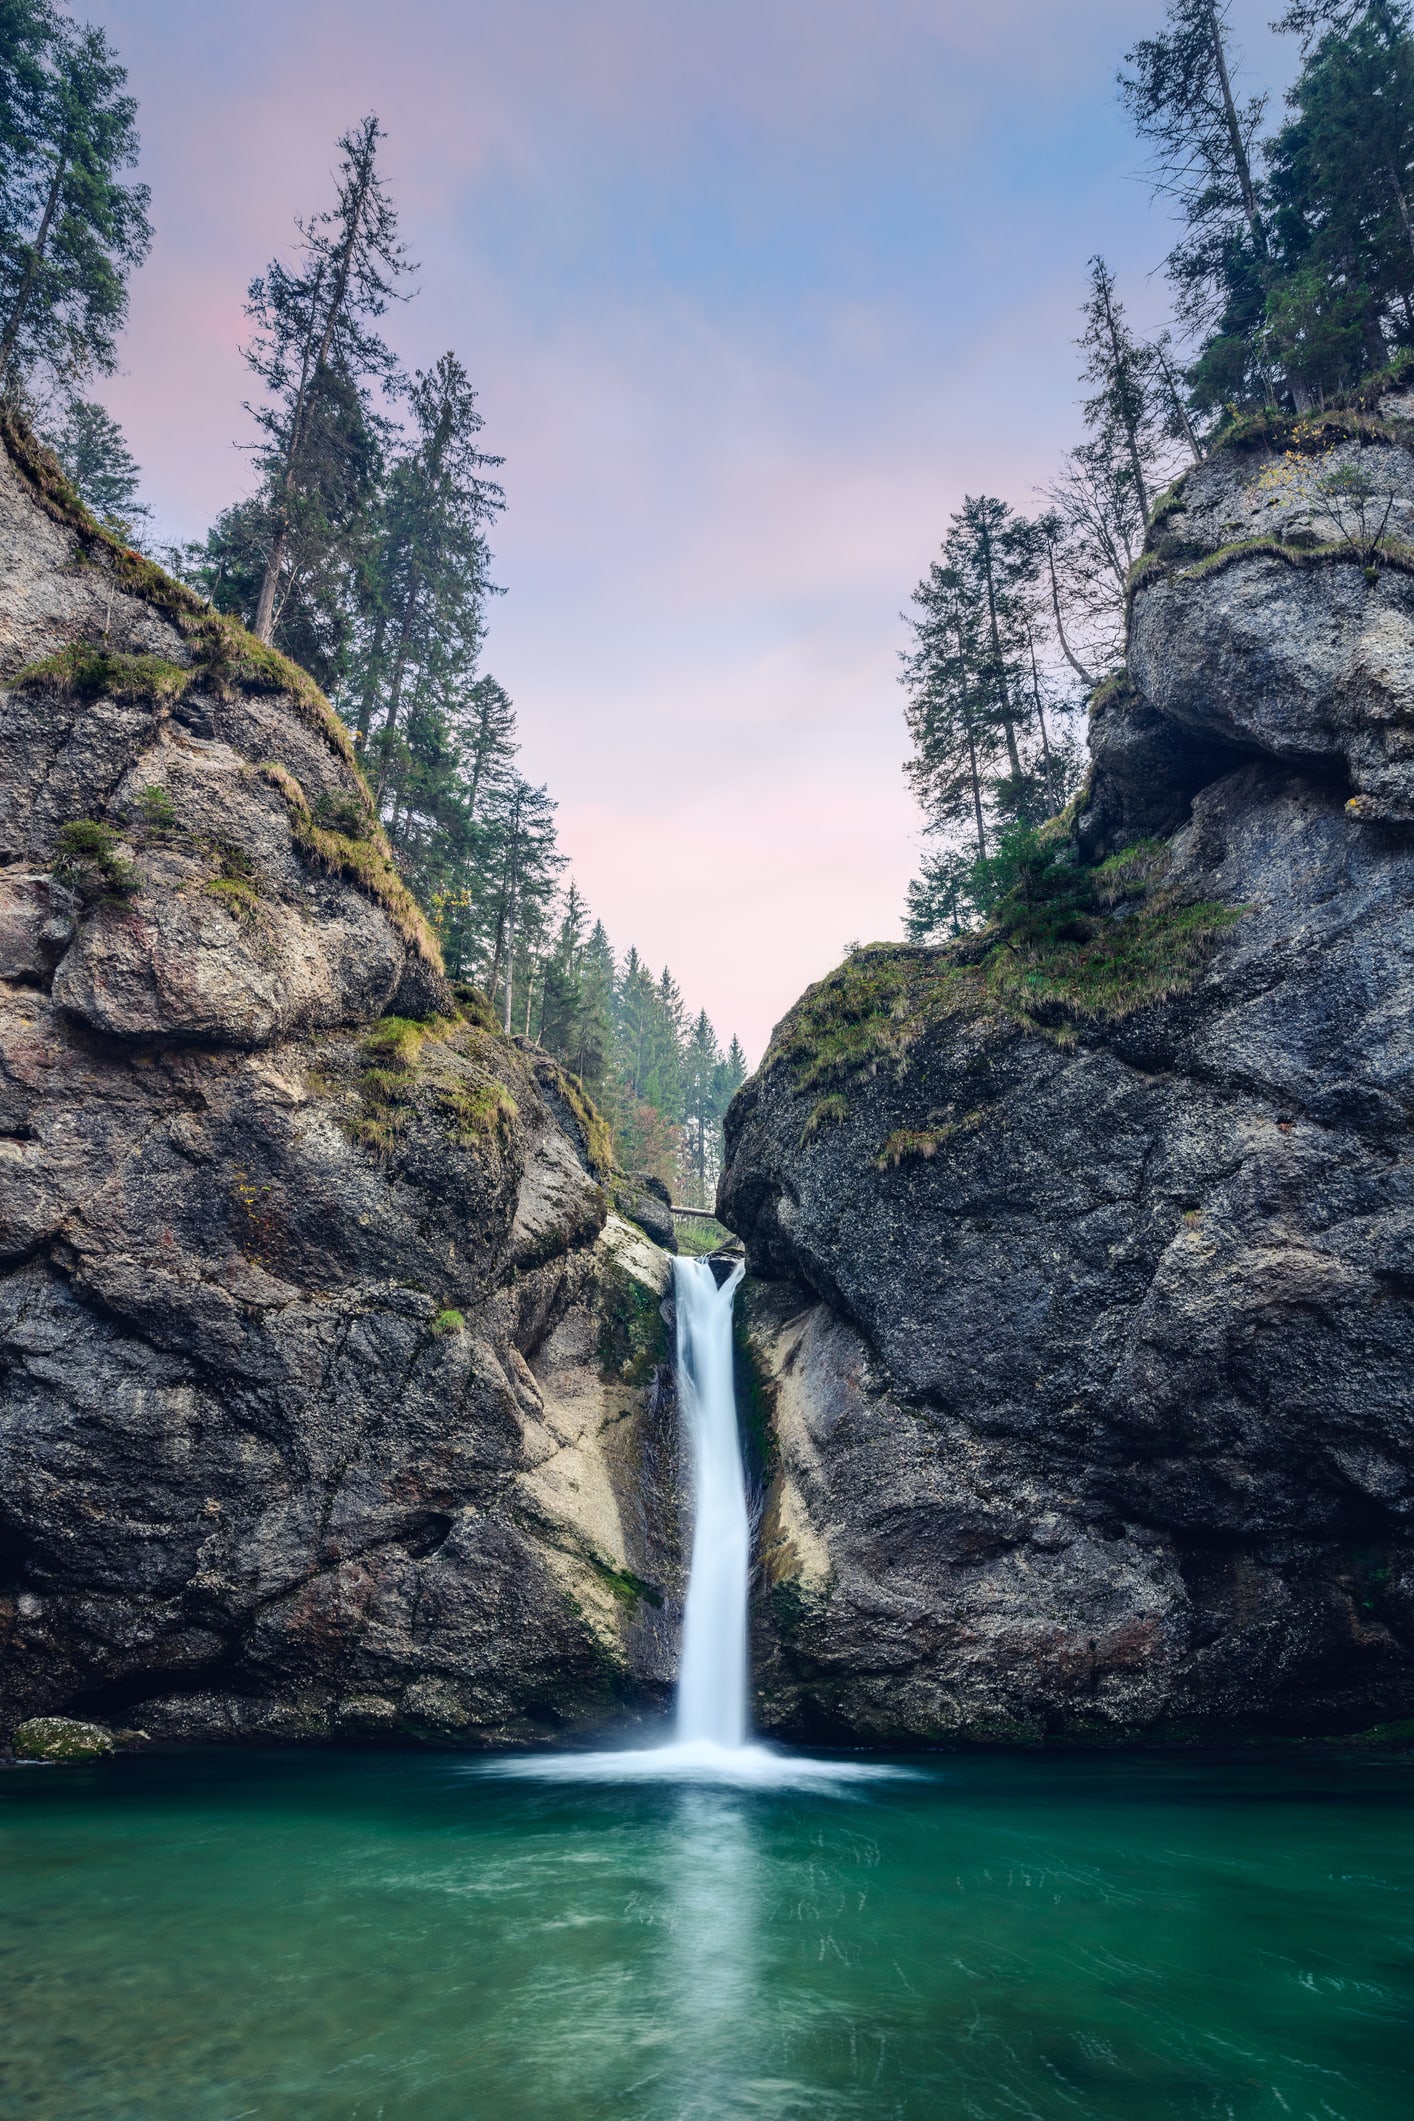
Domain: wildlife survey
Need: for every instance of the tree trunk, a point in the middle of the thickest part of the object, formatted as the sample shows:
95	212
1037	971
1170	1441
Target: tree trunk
1179	407
1007	724
1078	667
432	473
36	258
1240	163
1403	205
400	653
1131	431
1041	719
971	752
365	711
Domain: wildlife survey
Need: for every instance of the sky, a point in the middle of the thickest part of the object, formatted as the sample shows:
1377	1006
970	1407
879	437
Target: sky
753	293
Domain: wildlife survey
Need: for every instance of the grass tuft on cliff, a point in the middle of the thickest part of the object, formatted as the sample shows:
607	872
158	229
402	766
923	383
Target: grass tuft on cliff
1066	947
359	852
444	1058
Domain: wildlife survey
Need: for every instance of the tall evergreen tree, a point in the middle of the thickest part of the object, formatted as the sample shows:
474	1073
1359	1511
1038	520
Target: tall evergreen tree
955	736
1120	414
71	228
1094	530
1180	92
429	573
702	1085
317	353
1342	196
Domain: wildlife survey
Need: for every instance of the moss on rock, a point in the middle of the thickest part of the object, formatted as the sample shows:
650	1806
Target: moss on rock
633	1334
61	1739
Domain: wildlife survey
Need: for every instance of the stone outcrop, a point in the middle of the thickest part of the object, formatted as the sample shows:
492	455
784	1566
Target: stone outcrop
1082	1310
334	1397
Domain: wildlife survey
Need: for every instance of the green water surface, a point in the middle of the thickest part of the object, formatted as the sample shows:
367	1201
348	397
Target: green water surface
220	1936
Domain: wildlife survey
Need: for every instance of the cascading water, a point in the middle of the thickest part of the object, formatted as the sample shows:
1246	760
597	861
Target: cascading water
710	1740
711	1707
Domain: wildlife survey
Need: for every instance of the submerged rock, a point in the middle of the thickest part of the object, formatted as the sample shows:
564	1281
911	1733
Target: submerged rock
1083	1319
61	1738
334	1397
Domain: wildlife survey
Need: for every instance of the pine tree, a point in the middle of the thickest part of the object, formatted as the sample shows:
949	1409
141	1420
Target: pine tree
1180	93
1121	414
955	738
429	572
90	445
701	1106
1340	184
1094	530
560	1007
71	230
593	1056
996	556
522	831
317	353
941	901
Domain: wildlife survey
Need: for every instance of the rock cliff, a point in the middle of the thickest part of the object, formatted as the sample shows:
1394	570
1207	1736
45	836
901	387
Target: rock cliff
1082	1310
334	1396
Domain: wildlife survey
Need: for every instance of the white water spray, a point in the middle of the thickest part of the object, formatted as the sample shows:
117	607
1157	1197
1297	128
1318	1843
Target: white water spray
710	1742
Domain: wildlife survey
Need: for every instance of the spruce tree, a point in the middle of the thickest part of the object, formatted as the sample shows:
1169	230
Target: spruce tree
1180	92
1121	412
90	445
1341	190
429	573
71	229
318	355
702	1109
955	737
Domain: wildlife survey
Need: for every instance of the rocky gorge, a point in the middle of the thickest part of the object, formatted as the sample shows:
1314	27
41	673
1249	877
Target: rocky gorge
1075	1349
335	1391
1081	1306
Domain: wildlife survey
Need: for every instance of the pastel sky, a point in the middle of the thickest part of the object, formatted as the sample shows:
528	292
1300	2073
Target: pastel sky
753	292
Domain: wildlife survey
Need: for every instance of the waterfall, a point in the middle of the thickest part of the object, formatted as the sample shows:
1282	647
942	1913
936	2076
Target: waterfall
709	1742
712	1678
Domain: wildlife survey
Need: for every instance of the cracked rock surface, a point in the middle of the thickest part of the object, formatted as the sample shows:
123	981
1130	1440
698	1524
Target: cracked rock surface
1085	1345
334	1401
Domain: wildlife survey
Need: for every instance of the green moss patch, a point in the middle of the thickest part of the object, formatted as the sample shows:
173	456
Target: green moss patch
87	860
62	1739
630	1590
923	1142
596	1135
442	1058
1066	947
365	861
633	1334
94	673
755	1399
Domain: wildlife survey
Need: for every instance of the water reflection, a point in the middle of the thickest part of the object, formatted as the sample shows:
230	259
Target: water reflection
711	1967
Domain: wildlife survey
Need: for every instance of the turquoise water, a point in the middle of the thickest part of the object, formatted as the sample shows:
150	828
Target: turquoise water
223	1936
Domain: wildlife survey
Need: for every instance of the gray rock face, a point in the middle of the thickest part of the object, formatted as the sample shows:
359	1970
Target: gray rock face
333	1400
1087	1341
